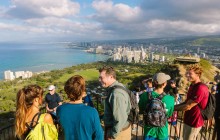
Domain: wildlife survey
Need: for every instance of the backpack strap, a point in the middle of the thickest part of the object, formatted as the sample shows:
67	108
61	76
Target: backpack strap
30	127
111	89
160	97
150	95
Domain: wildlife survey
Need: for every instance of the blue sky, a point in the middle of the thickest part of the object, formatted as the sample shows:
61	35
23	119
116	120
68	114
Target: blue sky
87	20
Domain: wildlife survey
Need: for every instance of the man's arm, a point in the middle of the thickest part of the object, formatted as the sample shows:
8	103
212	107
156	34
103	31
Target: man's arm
185	105
47	108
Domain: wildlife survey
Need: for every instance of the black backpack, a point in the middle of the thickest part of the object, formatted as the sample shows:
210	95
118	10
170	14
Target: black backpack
155	112
209	110
133	115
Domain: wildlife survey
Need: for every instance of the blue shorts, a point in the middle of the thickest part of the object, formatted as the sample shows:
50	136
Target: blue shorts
174	123
152	138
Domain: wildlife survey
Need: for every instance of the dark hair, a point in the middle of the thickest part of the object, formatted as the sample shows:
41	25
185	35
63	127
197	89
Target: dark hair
75	87
108	71
156	85
150	80
24	101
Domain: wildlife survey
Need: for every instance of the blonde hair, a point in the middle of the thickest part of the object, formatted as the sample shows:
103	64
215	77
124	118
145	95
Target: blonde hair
75	87
24	101
196	68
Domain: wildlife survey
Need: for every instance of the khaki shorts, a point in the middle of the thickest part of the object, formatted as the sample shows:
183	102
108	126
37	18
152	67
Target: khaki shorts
190	133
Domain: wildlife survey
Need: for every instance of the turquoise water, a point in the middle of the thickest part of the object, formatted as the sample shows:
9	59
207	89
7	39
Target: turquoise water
42	57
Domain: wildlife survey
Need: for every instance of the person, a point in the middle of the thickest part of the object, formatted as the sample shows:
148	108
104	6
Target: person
148	84
152	132
217	77
79	122
173	119
217	114
87	100
52	100
117	107
197	98
28	103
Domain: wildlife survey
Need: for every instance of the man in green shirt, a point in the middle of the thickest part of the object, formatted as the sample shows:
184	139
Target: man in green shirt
152	132
117	107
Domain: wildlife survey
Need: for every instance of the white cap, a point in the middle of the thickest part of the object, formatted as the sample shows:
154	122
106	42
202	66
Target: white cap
51	87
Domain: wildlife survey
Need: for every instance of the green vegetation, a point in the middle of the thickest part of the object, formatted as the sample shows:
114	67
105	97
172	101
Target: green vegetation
206	41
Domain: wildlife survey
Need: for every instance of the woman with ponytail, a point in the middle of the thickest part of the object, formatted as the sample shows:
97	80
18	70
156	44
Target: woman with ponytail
30	124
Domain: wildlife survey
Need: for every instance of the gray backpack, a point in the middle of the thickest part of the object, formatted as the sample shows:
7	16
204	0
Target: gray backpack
155	112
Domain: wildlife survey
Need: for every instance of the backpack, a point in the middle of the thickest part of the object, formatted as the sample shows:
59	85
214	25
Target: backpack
209	110
155	112
40	131
133	115
32	126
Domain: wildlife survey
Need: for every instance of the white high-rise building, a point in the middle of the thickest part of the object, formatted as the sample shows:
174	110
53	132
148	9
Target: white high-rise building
162	58
151	57
19	74
27	74
203	55
198	50
165	50
9	75
157	57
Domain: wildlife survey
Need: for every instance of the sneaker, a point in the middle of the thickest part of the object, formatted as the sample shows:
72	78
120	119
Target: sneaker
176	138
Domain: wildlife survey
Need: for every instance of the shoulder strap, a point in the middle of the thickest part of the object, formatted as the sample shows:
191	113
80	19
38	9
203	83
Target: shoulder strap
120	87
30	127
149	95
161	96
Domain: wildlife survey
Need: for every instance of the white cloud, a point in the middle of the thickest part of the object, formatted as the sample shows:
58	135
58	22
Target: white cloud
108	19
43	8
115	13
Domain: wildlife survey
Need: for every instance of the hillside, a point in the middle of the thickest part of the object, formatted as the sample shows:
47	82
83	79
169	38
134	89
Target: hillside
209	72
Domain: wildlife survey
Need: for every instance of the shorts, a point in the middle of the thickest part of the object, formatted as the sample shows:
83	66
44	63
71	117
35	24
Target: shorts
173	123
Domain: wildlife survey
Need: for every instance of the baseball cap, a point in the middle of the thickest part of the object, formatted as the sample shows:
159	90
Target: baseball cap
161	78
51	87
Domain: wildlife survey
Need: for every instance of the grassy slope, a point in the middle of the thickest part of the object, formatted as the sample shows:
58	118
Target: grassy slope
204	41
88	74
207	75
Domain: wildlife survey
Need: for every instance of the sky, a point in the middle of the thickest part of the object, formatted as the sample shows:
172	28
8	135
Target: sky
93	20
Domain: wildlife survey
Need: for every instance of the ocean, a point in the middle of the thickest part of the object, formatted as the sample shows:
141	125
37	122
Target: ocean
42	57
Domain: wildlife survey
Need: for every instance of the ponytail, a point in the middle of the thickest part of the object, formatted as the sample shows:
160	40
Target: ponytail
24	101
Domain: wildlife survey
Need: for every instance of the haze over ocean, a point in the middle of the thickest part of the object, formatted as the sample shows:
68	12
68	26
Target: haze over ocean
42	57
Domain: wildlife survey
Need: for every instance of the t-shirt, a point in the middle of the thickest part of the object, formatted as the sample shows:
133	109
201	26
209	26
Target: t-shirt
80	122
88	101
157	132
52	100
198	93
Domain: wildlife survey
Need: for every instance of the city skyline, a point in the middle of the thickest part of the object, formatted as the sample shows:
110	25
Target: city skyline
88	20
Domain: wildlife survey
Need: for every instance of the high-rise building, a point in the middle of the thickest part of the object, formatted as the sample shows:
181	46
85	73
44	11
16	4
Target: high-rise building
19	74
151	57
198	50
9	75
162	58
